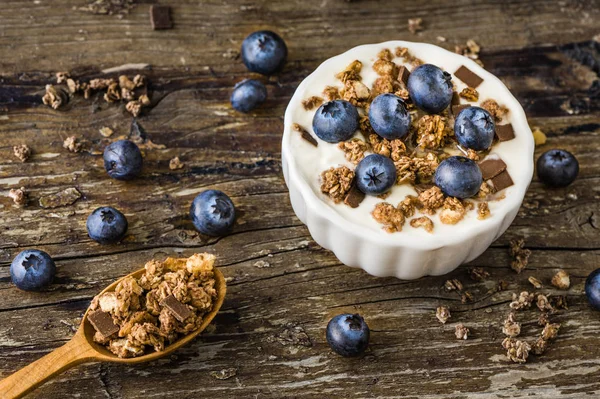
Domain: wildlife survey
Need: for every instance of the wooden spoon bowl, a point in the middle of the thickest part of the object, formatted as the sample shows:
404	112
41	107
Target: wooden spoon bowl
82	349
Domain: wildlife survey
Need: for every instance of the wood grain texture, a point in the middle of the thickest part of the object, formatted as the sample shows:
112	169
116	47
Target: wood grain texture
271	327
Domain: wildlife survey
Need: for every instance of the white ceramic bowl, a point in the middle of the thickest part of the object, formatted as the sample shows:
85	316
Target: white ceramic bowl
412	253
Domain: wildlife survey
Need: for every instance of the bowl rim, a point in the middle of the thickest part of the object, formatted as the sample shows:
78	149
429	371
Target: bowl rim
317	205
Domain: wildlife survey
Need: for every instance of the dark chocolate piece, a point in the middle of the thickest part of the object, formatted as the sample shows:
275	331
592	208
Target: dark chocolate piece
160	17
502	181
505	132
455	98
305	135
491	168
103	323
457	108
403	74
468	77
179	310
354	197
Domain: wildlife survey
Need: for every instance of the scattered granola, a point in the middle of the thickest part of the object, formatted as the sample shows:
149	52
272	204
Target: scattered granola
469	94
55	96
424	222
453	211
519	254
550	331
331	93
22	152
466	297
431	200
537	284
391	217
168	301
336	182
522	301
312	102
408	207
478	274
472	155
432	131
72	144
352	72
559	302
134	107
512	327
461	331
453	285
385	54
19	196
415	25
407	57
394	149
443	314
543	303
561	280
543	319
497	111
175	164
109	7
483	210
356	92
539	346
516	350
471	50
354	149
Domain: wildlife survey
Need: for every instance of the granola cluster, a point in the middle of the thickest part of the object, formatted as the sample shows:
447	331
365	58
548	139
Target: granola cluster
153	311
336	182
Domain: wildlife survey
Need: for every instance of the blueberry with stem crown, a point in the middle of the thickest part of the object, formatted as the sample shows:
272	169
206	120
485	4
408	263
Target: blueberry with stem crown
375	174
106	225
348	334
557	168
335	121
264	52
32	269
212	213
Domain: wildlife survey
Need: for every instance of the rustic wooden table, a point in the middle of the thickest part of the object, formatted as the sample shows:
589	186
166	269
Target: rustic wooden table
283	288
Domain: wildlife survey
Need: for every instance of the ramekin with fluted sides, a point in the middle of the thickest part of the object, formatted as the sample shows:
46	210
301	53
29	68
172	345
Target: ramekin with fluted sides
351	233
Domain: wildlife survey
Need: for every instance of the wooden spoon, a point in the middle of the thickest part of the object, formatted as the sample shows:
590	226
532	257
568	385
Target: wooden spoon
82	349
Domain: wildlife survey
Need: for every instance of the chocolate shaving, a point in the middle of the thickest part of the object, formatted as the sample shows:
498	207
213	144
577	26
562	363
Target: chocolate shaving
403	74
305	135
505	132
468	77
502	181
491	168
179	310
103	323
160	17
457	108
354	197
455	98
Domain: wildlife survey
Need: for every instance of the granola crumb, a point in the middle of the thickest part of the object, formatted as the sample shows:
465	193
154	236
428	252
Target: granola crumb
113	93
497	111
472	155
431	200
352	72
522	301
331	93
466	297
415	25
485	191
175	164
336	182
55	96
134	107
478	274
72	144
391	217
559	302
537	284
22	152
550	331
519	254
106	131
543	319
406	55
471	50
385	54
453	285
354	150
312	102
461	331
443	314
516	350
539	346
543	303
483	210
356	92
440	38
432	131
19	196
385	68
394	149
512	327
62	77
453	211
539	137
561	280
424	222
469	94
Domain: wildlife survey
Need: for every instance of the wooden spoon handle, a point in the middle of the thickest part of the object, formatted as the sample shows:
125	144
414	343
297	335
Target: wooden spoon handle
74	352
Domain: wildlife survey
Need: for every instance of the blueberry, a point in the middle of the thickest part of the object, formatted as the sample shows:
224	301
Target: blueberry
592	288
348	334
248	94
32	270
123	160
106	225
212	213
557	168
474	128
264	52
458	177
375	174
389	117
335	121
430	88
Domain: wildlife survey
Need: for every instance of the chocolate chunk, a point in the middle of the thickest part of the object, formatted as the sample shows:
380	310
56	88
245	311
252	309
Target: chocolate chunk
354	197
103	323
455	98
403	74
505	132
468	77
491	168
502	181
305	135
457	108
179	310
160	17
